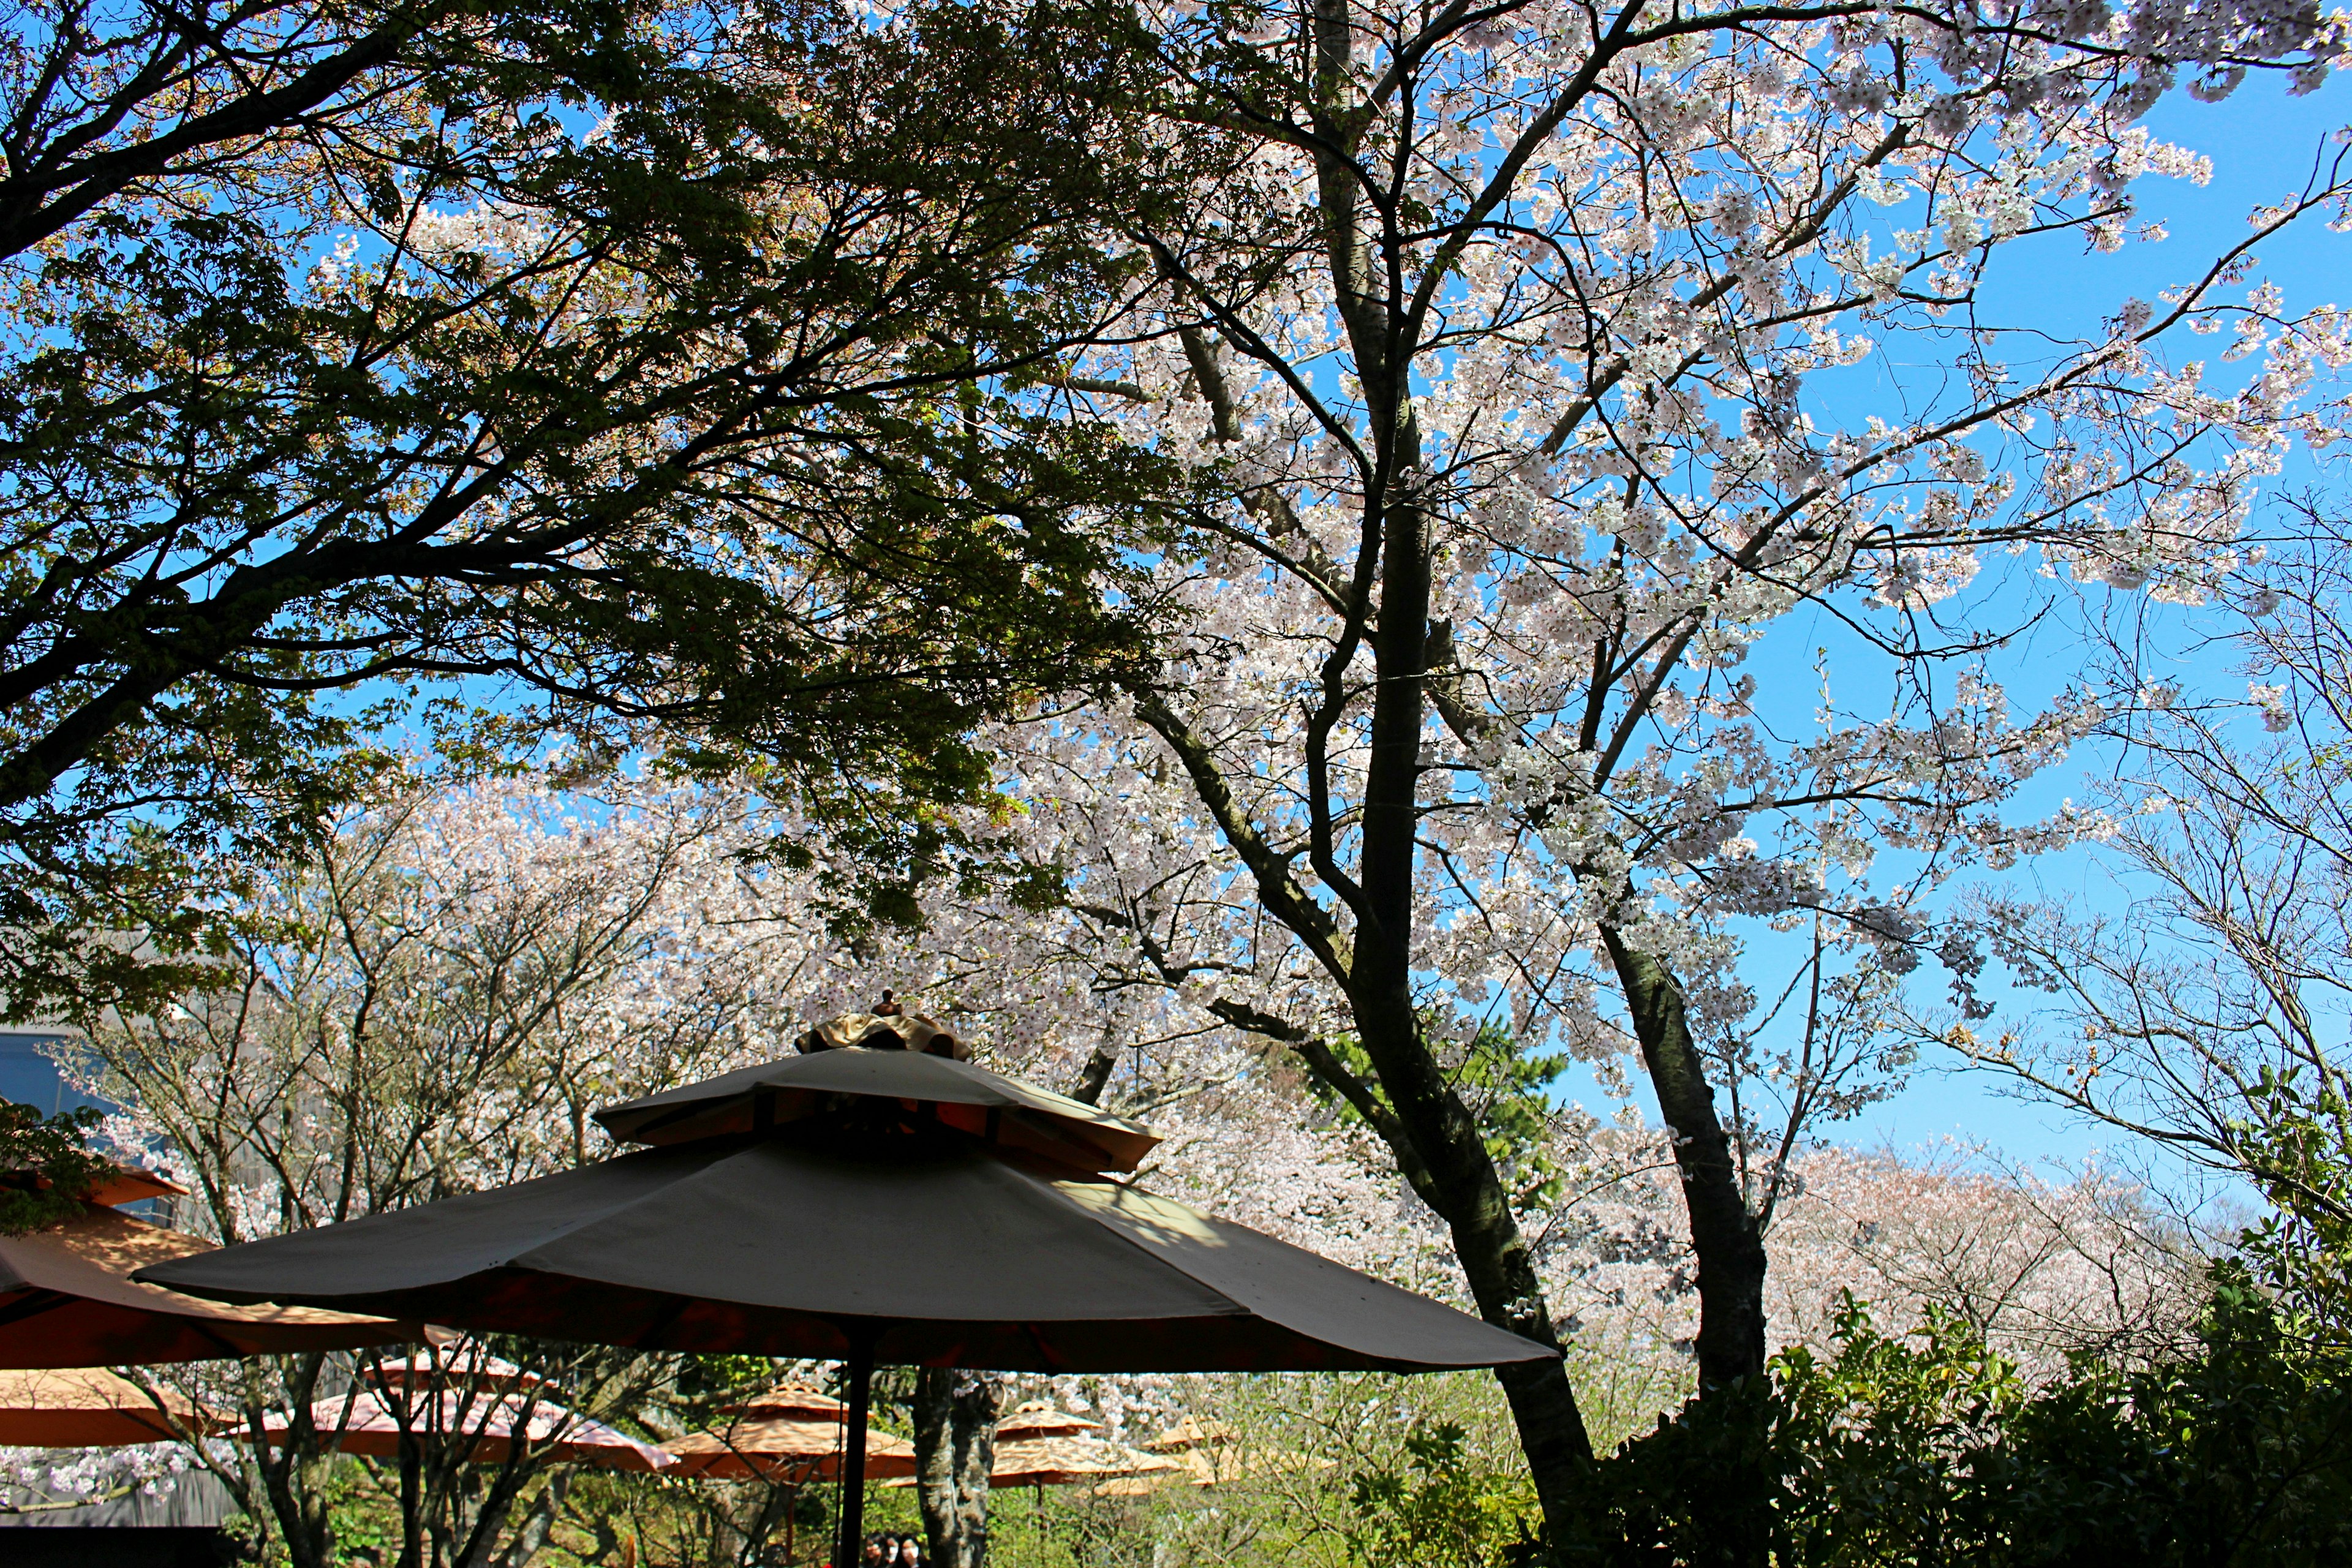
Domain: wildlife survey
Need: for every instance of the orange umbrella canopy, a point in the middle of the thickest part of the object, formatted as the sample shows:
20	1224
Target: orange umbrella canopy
1035	1419
783	1448
795	1400
365	1423
65	1301
87	1407
1067	1461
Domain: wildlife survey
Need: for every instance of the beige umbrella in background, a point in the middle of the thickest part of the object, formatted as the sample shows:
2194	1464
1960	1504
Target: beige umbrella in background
788	1436
797	1400
1192	1434
367	1423
1071	1461
1204	1451
468	1367
1039	1446
89	1407
786	1449
1034	1419
1211	1454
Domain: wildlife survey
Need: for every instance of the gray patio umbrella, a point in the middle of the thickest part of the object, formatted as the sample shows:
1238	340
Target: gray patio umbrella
870	1206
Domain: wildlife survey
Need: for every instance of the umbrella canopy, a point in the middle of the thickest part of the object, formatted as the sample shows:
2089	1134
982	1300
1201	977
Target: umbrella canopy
472	1367
364	1423
888	1027
130	1184
880	1206
792	1400
87	1407
1215	1467
937	1255
65	1301
1191	1433
1069	1461
1035	1419
782	1448
1211	1453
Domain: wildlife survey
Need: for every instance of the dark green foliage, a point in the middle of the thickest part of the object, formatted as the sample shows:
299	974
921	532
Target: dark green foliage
1506	1086
710	427
2295	1139
45	1167
1438	1507
1929	1451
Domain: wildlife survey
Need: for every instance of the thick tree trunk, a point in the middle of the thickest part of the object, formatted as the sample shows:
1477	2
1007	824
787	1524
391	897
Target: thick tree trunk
293	1473
1724	1236
955	1449
1456	1173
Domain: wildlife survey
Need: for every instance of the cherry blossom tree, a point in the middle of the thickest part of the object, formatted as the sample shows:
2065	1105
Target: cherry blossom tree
2042	1270
1549	358
459	974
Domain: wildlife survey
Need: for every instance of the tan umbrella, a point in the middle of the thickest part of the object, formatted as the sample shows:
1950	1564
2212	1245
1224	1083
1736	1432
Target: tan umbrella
791	1431
89	1407
1202	1452
1035	1419
1038	1444
794	1451
789	1436
365	1423
65	1301
1193	1433
1071	1461
471	1368
1211	1455
796	1400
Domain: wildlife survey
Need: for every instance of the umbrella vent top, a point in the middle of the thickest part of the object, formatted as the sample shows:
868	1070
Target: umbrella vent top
1035	1420
1191	1433
467	1366
912	1087
790	1399
889	1027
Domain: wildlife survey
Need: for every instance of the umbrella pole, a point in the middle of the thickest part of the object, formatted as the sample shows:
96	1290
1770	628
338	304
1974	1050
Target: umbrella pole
853	1458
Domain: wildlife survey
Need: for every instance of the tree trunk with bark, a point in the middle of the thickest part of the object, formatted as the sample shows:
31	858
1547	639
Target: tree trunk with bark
1724	1235
955	1449
1432	1129
293	1473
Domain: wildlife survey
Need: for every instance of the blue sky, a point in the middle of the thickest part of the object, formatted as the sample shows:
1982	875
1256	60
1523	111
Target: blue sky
2262	144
